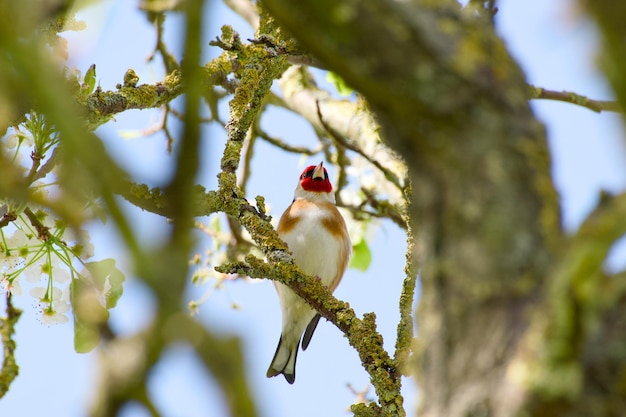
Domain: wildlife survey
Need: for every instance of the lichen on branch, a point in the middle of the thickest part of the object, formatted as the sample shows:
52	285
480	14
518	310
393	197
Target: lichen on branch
10	369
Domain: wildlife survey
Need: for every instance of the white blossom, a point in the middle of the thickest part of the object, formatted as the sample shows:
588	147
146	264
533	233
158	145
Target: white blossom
11	141
61	275
34	271
51	316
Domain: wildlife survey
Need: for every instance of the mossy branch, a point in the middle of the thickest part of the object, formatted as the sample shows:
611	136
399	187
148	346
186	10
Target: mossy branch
361	333
153	199
101	106
10	369
404	338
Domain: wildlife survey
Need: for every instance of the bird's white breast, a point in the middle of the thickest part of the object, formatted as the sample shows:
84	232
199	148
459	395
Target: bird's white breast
314	248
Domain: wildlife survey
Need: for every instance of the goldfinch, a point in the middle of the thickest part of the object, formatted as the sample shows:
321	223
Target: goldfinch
316	235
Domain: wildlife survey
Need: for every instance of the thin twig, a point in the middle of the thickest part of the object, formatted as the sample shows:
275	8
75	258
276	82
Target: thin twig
169	61
43	232
48	166
385	209
7	218
33	169
283	145
342	176
573	98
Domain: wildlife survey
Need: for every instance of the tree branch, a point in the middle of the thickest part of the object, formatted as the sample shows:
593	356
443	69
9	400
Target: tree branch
573	98
579	296
101	105
361	333
404	340
10	369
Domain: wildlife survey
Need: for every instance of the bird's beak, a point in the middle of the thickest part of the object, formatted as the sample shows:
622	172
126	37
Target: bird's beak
318	172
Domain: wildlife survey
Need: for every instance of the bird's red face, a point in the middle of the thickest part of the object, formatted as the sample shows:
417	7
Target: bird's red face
315	179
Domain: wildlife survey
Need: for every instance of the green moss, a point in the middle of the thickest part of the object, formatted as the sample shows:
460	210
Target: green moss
130	78
10	369
366	410
143	192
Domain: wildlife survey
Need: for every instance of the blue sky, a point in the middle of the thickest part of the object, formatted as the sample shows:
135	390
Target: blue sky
555	47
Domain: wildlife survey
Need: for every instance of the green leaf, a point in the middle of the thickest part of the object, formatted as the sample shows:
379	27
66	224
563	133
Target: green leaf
90	79
108	280
361	256
215	224
339	83
103	285
89	315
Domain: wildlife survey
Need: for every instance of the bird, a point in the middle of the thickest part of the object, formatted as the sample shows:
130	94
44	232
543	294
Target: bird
316	234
